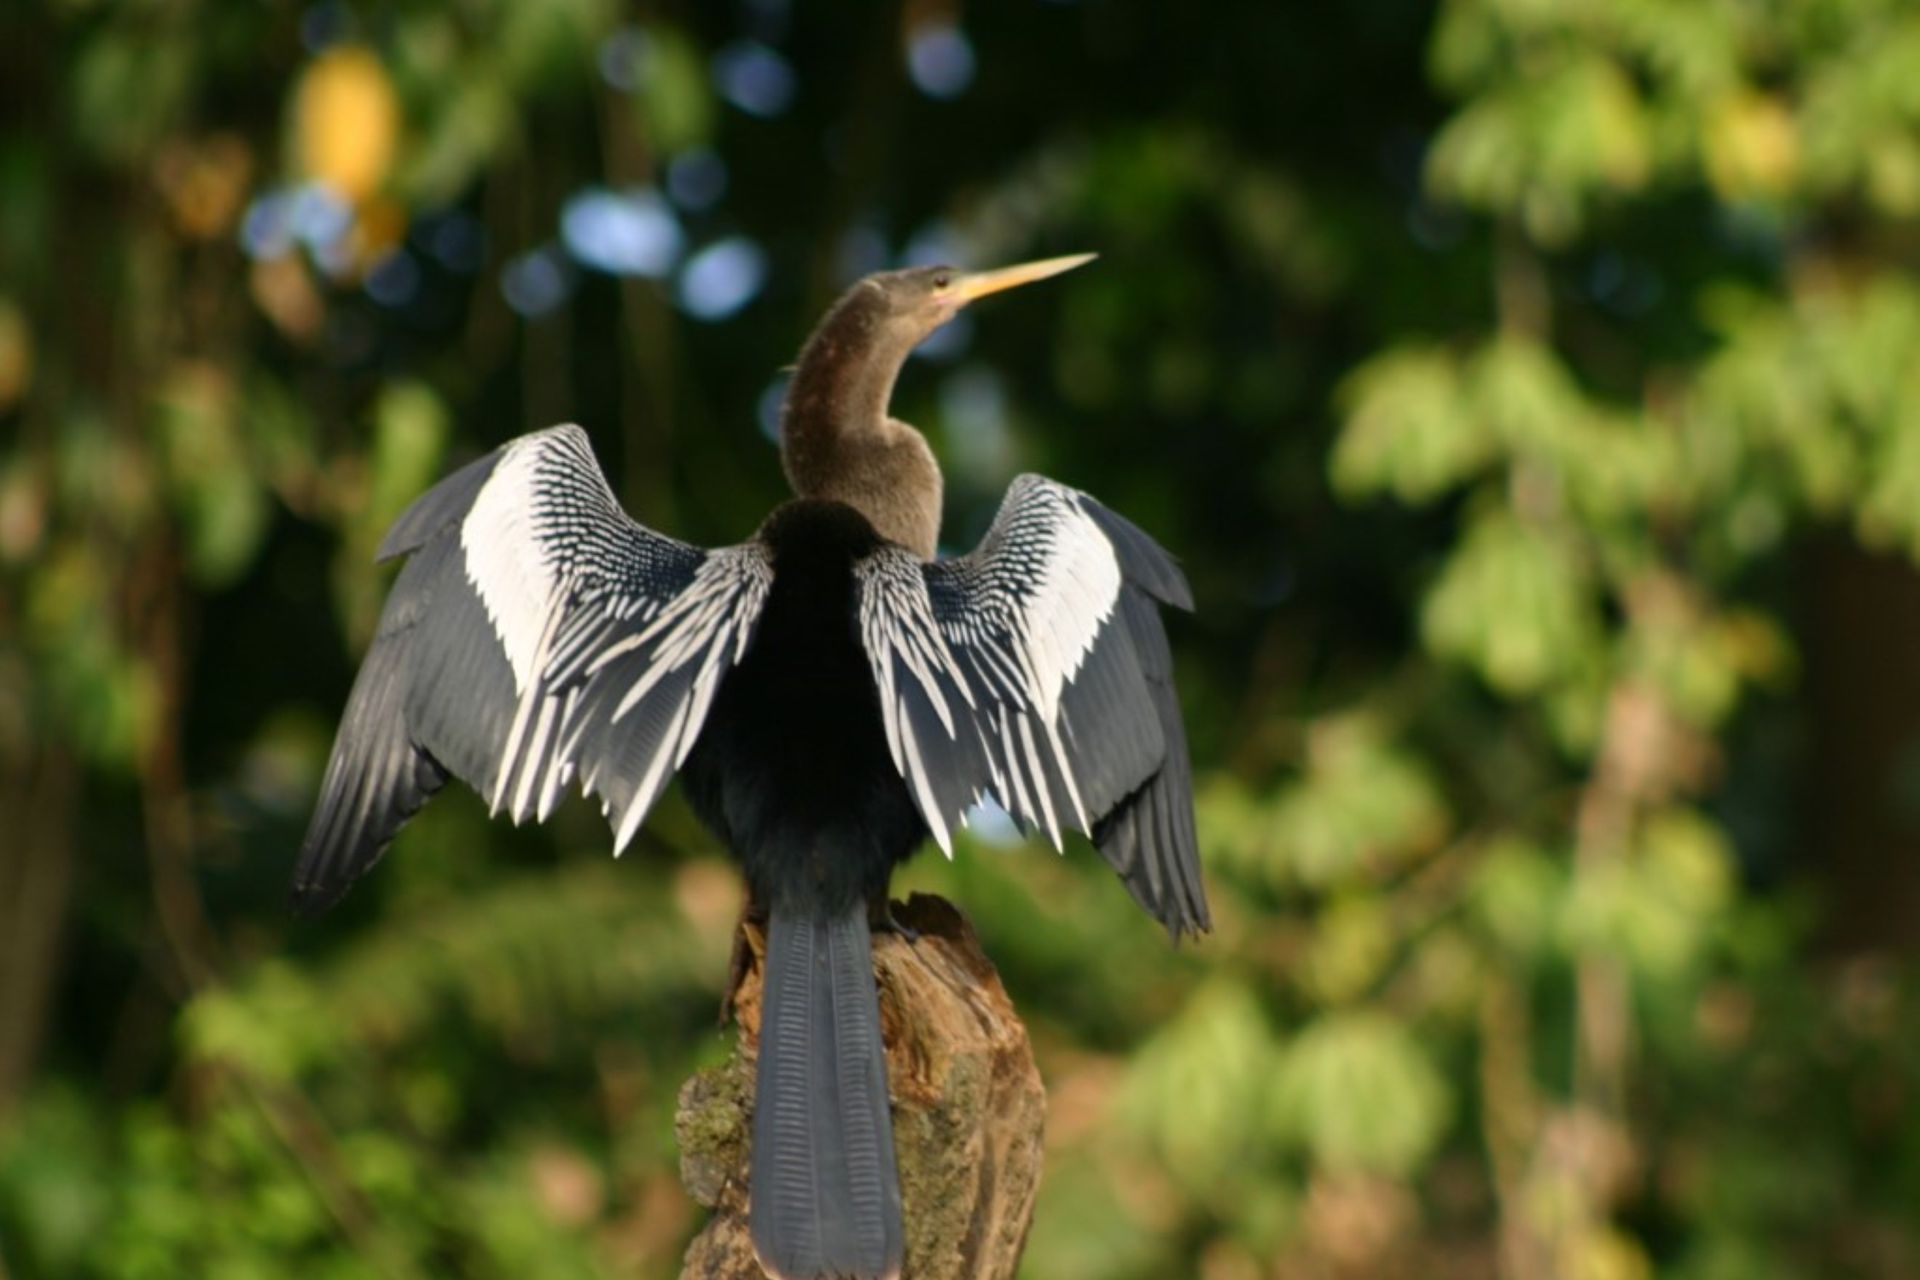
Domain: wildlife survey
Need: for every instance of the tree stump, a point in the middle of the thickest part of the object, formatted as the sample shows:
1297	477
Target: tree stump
968	1109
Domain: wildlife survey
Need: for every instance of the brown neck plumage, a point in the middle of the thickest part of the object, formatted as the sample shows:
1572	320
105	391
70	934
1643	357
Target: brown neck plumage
836	440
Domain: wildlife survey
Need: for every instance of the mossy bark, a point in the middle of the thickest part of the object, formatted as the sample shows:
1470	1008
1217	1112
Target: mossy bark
968	1109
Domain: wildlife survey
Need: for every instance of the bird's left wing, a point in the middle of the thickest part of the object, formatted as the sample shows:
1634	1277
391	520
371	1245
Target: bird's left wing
538	636
1036	670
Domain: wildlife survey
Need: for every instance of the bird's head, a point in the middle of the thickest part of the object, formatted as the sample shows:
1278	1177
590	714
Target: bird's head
918	300
837	440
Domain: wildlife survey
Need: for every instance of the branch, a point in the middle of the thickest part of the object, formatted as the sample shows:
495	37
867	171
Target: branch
968	1109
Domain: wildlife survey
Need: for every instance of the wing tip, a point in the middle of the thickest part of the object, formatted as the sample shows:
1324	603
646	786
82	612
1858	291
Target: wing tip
1192	920
309	899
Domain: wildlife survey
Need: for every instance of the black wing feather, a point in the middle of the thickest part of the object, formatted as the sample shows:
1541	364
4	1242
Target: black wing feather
537	638
1149	837
1062	594
378	777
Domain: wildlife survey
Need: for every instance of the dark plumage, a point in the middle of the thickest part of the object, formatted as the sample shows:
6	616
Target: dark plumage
830	694
818	816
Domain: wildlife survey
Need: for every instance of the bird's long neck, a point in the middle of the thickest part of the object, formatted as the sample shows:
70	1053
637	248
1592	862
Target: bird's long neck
836	440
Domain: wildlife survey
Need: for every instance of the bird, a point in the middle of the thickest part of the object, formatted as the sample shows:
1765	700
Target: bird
830	692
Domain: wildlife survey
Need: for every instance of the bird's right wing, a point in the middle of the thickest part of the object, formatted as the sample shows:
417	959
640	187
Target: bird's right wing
1036	670
538	636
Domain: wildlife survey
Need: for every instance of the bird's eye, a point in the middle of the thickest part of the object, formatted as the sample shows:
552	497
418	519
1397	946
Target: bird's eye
942	280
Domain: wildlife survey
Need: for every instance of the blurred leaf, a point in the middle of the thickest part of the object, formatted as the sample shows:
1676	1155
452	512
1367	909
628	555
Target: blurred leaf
1353	942
1360	1093
54	1155
284	440
1539	149
1410	428
543	44
1194	1085
130	86
1659	907
1512	603
105	700
462	131
1525	395
675	102
410	430
222	508
274	1030
1861	109
1515	891
1752	146
1362	808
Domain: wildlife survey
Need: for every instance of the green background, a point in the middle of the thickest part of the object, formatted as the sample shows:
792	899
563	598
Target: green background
1531	388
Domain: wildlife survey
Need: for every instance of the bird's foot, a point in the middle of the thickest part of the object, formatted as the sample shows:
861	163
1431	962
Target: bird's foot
881	919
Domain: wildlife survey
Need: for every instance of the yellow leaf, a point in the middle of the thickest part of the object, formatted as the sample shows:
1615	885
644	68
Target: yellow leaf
347	121
1752	146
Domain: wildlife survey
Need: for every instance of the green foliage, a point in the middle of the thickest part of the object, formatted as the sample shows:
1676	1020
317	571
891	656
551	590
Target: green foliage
1511	604
1508	419
676	102
1657	909
1516	890
1411	430
1358	1091
215	487
327	1103
1199	1088
1547	144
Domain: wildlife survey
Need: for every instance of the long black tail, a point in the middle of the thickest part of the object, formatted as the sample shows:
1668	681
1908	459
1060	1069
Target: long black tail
825	1190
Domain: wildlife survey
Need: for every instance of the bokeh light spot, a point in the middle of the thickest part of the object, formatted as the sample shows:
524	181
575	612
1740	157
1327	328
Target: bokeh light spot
722	278
457	240
394	281
267	227
537	282
754	78
320	216
940	60
697	179
623	59
631	233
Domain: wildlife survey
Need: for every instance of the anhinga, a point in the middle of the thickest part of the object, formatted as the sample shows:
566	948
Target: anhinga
830	693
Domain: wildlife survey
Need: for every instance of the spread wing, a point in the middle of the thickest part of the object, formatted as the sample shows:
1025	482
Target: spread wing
537	637
1036	669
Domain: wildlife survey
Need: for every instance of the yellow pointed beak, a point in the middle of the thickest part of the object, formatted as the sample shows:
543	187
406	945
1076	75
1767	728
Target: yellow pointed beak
978	284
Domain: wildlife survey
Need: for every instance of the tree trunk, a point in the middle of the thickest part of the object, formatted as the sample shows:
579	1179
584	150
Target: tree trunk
968	1109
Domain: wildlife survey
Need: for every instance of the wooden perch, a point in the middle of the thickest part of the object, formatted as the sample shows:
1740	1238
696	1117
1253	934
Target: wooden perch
968	1109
